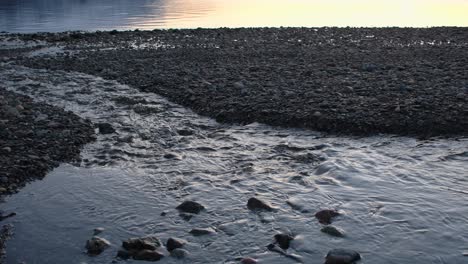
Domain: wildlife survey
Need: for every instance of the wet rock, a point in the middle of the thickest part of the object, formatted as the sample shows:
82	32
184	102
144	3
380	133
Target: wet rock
283	240
171	156
105	128
185	132
96	245
98	230
148	255
333	231
325	216
186	216
257	204
137	244
277	249
173	243
248	261
342	256
123	254
297	204
3	217
190	207
202	231
234	227
179	253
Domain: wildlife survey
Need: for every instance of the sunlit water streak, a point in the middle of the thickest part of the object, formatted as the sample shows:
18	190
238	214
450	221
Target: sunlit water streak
58	15
404	200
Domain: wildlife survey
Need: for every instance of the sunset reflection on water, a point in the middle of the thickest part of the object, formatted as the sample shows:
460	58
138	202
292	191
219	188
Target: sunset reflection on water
62	15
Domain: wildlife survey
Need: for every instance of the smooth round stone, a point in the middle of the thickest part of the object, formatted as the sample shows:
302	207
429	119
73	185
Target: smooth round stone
342	256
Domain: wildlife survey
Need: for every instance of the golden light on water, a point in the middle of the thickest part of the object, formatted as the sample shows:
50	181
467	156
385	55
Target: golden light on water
310	13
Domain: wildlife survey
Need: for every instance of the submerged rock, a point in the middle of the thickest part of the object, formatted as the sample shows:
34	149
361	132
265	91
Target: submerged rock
142	243
202	231
283	240
248	261
342	256
98	230
96	245
333	231
190	207
179	253
105	128
257	204
148	255
325	216
173	243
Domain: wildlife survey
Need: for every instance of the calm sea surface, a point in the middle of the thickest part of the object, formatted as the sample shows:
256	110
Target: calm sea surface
63	15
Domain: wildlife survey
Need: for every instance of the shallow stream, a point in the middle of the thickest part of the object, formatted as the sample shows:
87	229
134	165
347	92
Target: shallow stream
403	200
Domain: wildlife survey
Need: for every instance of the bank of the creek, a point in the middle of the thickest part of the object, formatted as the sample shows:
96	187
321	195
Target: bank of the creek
342	80
398	199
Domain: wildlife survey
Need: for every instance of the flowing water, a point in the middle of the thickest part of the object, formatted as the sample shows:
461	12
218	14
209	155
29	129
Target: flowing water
64	15
403	200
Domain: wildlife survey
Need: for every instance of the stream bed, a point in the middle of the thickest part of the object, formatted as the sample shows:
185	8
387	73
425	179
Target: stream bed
402	200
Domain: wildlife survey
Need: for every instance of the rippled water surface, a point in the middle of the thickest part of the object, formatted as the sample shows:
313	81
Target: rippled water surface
403	200
63	15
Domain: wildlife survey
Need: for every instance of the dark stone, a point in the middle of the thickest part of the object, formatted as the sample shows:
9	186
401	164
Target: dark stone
185	132
325	216
248	261
257	204
148	255
342	256
96	245
105	128
190	207
123	254
283	240
173	243
202	231
332	231
179	253
137	244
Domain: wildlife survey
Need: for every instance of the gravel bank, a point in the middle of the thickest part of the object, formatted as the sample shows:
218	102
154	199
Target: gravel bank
34	138
358	81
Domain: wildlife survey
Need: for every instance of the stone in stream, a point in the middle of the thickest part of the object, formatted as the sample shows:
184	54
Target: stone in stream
179	253
185	132
148	255
283	240
325	216
96	245
202	231
342	256
333	231
257	204
142	243
190	207
173	243
105	128
98	230
248	261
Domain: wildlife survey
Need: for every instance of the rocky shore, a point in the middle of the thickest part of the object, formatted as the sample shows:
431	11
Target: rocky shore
340	80
34	138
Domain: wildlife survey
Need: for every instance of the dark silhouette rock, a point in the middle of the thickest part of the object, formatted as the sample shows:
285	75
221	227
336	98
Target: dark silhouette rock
96	245
342	256
173	243
325	216
190	207
142	243
257	204
283	240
